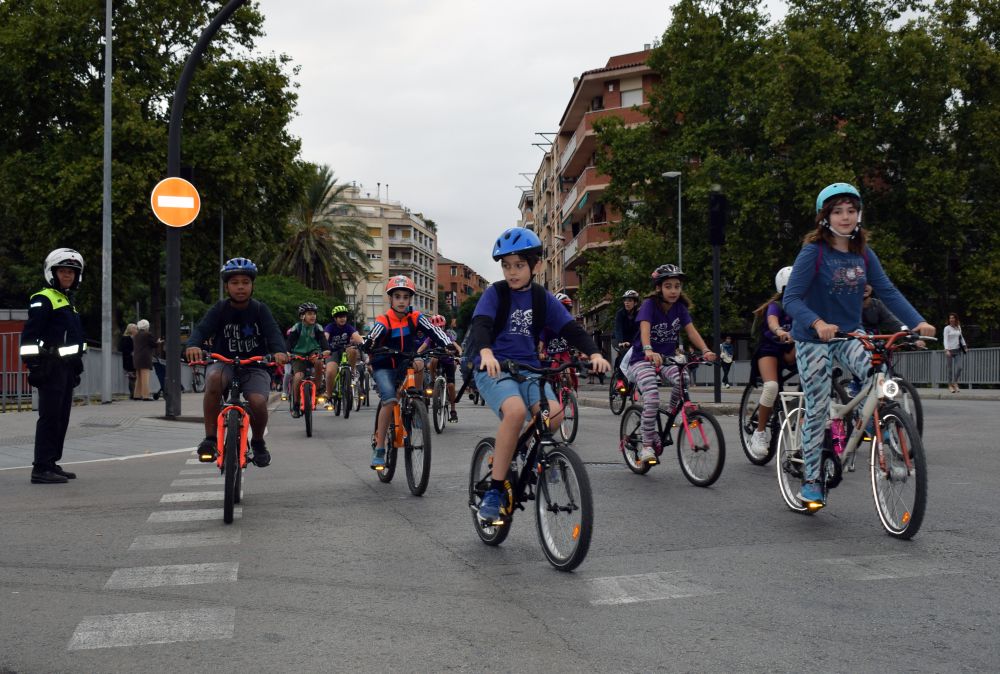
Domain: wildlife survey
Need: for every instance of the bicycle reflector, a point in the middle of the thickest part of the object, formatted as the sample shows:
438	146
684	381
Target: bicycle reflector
890	389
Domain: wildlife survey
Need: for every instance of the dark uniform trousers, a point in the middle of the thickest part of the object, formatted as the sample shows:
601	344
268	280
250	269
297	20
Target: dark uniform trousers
55	400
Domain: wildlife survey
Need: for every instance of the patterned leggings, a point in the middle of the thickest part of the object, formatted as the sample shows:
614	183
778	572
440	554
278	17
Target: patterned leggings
815	362
645	376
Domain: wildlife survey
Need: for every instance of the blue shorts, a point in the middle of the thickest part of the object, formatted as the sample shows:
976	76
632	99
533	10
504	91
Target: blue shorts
385	383
496	391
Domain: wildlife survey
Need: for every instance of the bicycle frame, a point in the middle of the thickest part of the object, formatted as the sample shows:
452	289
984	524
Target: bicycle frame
311	378
234	403
685	407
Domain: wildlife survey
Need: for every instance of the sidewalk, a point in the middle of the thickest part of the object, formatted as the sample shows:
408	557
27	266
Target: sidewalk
118	430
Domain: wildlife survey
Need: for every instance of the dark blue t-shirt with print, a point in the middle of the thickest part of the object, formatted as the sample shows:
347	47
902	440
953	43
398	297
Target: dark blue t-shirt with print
515	341
339	335
664	328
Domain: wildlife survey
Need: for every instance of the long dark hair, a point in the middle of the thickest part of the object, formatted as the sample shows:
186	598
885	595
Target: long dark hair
760	311
823	233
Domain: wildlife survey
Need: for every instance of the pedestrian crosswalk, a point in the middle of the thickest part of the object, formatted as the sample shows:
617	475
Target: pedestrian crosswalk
172	626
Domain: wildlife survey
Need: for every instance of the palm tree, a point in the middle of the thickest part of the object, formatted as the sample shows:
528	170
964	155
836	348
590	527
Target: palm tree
326	244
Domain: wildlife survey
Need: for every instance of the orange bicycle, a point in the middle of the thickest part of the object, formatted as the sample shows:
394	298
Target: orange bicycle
305	402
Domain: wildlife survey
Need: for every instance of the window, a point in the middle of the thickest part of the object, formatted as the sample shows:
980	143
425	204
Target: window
374	256
454	271
631	97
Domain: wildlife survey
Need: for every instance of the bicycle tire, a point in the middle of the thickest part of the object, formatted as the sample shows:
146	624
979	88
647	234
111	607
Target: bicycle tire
197	381
701	462
438	405
909	400
630	439
748	411
480	476
571	416
386	474
346	394
356	390
307	408
900	514
337	398
418	454
230	463
564	508
617	400
789	462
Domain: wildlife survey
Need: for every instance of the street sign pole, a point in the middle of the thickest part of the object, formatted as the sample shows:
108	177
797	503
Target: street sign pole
172	396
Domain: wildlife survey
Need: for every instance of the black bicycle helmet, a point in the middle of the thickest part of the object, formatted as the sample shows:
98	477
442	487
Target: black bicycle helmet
665	271
307	306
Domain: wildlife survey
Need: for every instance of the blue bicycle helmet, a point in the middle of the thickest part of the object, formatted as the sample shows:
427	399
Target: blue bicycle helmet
834	190
238	265
517	240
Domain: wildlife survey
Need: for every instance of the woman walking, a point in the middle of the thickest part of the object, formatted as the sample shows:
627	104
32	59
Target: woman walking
954	350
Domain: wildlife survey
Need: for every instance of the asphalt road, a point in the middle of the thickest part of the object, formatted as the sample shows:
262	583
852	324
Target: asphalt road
330	570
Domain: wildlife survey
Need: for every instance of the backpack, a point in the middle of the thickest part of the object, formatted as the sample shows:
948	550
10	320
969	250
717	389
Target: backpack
539	300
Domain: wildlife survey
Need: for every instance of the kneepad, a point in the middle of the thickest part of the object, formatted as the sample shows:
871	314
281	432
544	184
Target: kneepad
769	394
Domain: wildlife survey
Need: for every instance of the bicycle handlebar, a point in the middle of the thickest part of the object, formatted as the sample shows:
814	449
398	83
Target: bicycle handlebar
218	357
514	368
893	341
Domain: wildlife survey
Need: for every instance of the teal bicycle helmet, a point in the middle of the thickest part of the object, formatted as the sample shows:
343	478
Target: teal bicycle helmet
834	190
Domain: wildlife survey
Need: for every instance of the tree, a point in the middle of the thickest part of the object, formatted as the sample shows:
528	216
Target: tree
465	311
326	244
283	295
235	138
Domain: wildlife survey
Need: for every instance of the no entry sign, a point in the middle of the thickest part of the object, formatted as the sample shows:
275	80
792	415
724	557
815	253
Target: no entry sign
175	202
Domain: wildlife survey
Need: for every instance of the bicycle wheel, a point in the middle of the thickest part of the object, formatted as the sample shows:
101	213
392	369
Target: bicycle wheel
307	407
909	400
790	465
748	411
703	454
571	416
617	393
197	380
631	439
345	394
900	490
440	409
480	476
564	508
338	398
418	449
385	475
356	391
230	463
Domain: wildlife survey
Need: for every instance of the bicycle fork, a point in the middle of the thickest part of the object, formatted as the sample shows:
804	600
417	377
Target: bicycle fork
220	433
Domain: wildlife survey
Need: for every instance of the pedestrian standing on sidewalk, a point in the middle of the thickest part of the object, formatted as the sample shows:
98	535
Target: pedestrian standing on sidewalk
955	349
126	347
726	356
145	344
52	346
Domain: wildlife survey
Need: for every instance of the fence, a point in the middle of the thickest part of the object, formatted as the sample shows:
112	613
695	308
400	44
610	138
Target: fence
16	393
981	367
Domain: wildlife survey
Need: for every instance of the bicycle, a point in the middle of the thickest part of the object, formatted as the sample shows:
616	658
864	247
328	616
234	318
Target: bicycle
748	411
305	402
541	467
439	392
563	385
344	388
363	379
197	375
232	434
620	389
701	454
909	399
408	429
897	462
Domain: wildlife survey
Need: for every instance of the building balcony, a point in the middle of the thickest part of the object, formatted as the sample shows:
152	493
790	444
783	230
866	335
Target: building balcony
589	181
576	155
591	237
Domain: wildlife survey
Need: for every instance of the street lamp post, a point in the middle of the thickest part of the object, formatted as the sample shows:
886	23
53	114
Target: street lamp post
677	174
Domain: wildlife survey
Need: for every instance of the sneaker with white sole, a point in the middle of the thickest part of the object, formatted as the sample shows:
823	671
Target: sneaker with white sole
760	443
647	455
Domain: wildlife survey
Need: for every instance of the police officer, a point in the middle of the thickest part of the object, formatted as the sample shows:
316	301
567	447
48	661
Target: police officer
52	346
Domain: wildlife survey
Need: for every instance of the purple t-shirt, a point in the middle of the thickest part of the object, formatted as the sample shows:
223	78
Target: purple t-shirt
339	336
430	344
515	341
784	320
664	328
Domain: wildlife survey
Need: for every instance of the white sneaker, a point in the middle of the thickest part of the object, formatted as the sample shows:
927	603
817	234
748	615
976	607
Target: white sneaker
760	443
647	455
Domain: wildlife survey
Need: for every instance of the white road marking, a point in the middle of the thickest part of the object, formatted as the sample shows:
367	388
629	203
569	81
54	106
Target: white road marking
888	567
195	462
175	574
197	481
157	627
193	515
210	470
189	496
614	590
116	458
164	201
196	539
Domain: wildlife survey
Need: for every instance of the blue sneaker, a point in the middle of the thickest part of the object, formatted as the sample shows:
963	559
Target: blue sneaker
378	458
811	495
489	507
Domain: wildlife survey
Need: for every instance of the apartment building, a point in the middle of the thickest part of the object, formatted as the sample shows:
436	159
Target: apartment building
569	214
458	281
404	244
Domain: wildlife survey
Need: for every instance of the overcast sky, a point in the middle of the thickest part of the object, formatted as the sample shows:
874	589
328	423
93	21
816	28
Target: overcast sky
440	99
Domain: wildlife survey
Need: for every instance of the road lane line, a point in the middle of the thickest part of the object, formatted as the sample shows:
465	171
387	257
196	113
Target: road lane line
196	539
145	455
198	481
156	627
613	590
190	496
192	515
173	574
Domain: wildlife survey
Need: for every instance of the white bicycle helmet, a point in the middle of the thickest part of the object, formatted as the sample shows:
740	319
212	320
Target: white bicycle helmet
63	257
781	279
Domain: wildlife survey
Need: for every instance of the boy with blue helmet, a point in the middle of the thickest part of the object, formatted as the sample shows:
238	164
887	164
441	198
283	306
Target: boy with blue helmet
506	325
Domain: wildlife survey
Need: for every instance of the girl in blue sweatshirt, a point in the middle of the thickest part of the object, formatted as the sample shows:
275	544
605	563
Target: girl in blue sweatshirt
823	296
